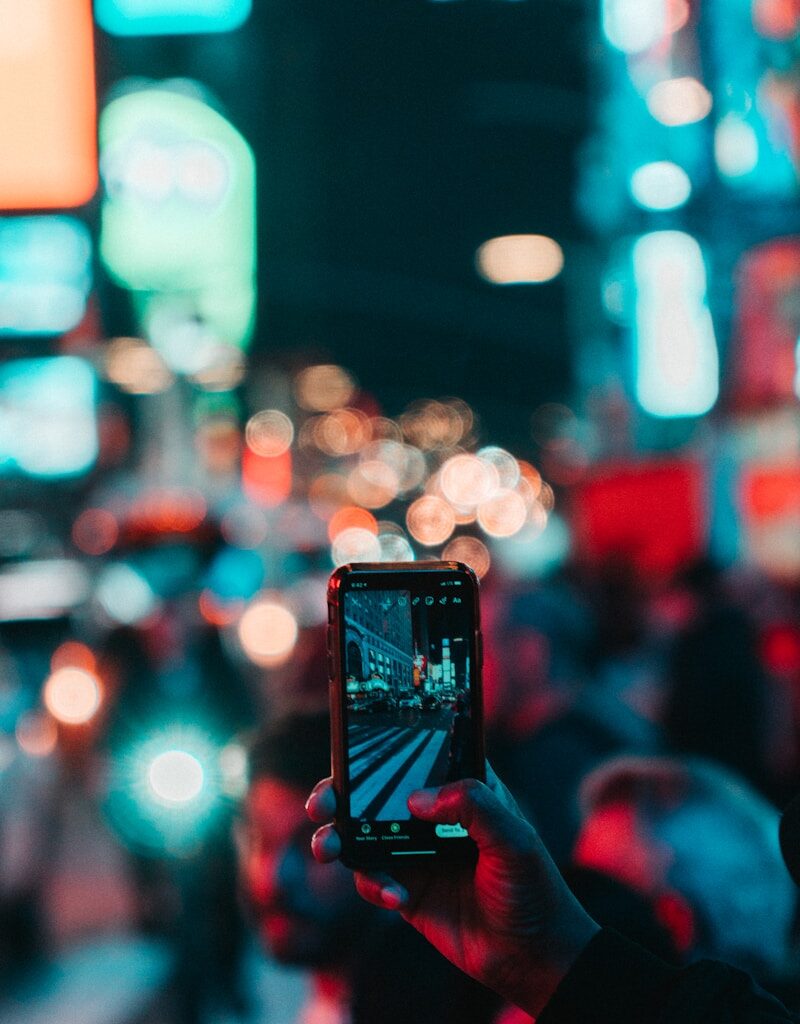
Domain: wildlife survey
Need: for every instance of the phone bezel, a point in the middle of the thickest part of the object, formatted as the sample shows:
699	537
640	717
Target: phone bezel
395	576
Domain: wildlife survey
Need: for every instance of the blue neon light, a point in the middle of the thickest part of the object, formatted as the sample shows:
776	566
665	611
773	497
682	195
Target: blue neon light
170	17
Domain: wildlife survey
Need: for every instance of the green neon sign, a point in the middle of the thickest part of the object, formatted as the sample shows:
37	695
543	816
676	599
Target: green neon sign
178	216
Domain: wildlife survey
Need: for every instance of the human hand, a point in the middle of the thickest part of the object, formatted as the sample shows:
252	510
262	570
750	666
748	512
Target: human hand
508	920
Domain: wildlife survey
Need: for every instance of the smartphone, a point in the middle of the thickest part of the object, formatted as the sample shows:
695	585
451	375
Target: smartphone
404	660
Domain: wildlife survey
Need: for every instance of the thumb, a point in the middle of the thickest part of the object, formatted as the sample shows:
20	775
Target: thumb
476	808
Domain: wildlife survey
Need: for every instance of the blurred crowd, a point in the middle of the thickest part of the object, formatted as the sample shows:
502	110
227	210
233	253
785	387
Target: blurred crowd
649	729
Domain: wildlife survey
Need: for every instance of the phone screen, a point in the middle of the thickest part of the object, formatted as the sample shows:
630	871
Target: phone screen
411	702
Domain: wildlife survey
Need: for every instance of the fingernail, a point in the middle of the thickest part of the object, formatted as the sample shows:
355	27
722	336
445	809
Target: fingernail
393	896
423	799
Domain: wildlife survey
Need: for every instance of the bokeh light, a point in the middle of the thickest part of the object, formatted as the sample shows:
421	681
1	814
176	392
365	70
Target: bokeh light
355	544
324	388
37	734
661	185
405	462
679	101
352	517
776	19
373	484
520	259
470	550
342	432
429	424
175	777
72	695
467	480
735	146
95	531
679	13
72	654
164	791
268	633
504	514
504	463
224	369
124	594
136	367
394	547
327	493
430	520
634	26
270	432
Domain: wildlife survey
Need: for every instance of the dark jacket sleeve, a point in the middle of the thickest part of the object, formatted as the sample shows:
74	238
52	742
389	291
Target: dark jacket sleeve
614	981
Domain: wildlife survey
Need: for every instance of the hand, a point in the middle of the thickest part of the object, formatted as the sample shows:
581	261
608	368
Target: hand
509	920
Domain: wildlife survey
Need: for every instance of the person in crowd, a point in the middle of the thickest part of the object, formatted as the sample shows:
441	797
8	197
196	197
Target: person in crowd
511	922
703	847
367	967
718	695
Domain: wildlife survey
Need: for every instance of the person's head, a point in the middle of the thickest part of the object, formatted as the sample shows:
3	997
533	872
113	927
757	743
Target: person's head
306	913
702	846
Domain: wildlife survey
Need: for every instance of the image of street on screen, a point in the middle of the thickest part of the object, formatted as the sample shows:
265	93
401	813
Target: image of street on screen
408	694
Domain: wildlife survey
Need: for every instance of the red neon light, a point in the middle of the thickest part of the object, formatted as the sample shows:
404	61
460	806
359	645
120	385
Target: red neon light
651	514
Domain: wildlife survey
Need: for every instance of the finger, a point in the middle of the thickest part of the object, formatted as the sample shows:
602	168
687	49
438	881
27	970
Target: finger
321	804
482	812
326	844
381	890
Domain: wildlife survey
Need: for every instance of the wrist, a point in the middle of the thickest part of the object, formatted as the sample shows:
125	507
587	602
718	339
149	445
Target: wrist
543	969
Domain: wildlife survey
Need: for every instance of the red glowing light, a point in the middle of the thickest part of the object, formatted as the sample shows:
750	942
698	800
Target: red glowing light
164	512
763	363
216	612
266	479
770	492
352	517
777	19
95	531
651	514
780	647
72	654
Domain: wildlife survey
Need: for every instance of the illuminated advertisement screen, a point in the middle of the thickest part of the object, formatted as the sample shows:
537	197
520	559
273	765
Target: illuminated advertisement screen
168	17
47	104
178	216
48	424
45	274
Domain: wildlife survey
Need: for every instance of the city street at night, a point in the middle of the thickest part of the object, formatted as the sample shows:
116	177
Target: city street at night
393	753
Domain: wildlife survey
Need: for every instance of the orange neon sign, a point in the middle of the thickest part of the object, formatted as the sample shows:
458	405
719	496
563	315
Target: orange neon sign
48	110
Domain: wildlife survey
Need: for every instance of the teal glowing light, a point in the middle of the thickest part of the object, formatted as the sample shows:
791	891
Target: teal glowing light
168	17
178	217
736	147
634	25
661	185
45	274
176	777
677	363
48	424
166	791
